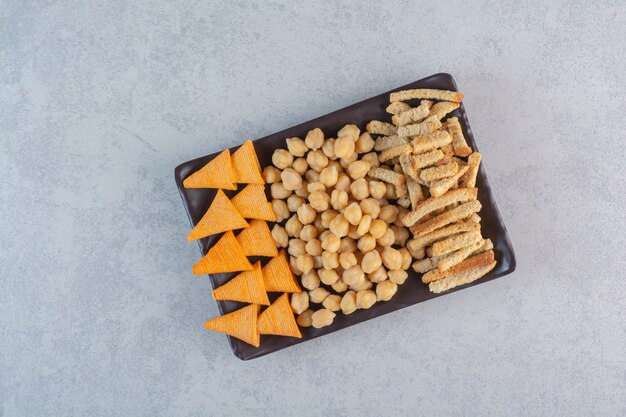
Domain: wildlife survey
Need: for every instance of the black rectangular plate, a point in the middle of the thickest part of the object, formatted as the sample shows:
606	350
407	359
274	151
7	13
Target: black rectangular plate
413	291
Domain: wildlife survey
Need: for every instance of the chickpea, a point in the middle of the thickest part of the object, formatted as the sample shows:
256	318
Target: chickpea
303	191
397	276
366	284
296	247
335	164
378	228
317	160
318	295
278	191
353	275
281	158
387	238
332	302
348	303
417	252
345	162
370	206
402	211
291	179
296	146
328	276
322	318
280	236
293	226
330	260
308	232
305	319
366	243
364	225
299	301
328	176
378	275
339	286
310	280
322	235
388	214
344	147
304	263
392	258
377	189
406	258
311	175
328	216
359	189
293	266
353	233
364	143
280	210
314	247
314	138
271	174
300	165
339	225
315	186
319	200
347	260
317	262
385	290
318	224
329	148
401	235
390	193
353	213
350	131
343	182
338	199
372	159
306	214
331	242
358	169
371	262
365	299
348	245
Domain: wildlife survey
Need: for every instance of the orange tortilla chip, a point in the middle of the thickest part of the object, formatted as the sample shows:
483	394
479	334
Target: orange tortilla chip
241	324
247	287
278	319
257	240
278	276
225	256
218	173
252	204
246	165
220	217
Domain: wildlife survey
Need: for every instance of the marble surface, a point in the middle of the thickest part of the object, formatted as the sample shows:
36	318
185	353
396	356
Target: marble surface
100	100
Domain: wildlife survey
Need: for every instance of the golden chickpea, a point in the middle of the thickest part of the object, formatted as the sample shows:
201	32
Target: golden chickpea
311	175
300	165
390	193
398	276
417	252
387	238
348	245
293	226
329	148
388	214
319	200
370	206
339	286
271	174
317	262
308	233
365	299
305	319
328	176
343	182
328	276
353	233
345	162
315	186
278	191
378	228
291	179
372	159
280	210
317	160
302	191
318	224
304	263
385	290
339	225
362	286
328	216
364	225
306	214
322	318
296	146
332	302
296	247
347	260
358	169
401	213
280	236
353	275
348	303
392	258
338	199
281	158
371	262
364	143
377	189
314	247
366	243
344	147
406	258
401	235
353	213
330	260
318	295
299	301
378	275
359	189
293	266
314	138
350	131
331	242
322	235
310	280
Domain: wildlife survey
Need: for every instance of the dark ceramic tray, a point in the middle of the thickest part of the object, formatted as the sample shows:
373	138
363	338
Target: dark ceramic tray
413	291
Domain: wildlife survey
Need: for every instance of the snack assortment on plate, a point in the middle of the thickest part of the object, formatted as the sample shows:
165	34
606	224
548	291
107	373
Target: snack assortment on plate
351	214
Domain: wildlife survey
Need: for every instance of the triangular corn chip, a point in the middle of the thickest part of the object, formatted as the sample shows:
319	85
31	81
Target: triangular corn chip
218	173
251	203
241	324
278	276
278	319
246	165
257	240
247	287
220	217
225	256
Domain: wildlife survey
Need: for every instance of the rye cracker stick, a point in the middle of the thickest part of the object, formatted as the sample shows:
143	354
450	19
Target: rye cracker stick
435	203
454	243
460	279
430	141
472	262
381	128
439	172
458	140
423	93
446	218
442	108
439	187
397	107
413	115
473	162
428	125
386	142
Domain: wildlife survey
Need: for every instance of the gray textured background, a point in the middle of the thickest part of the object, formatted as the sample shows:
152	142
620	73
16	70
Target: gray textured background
100	100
